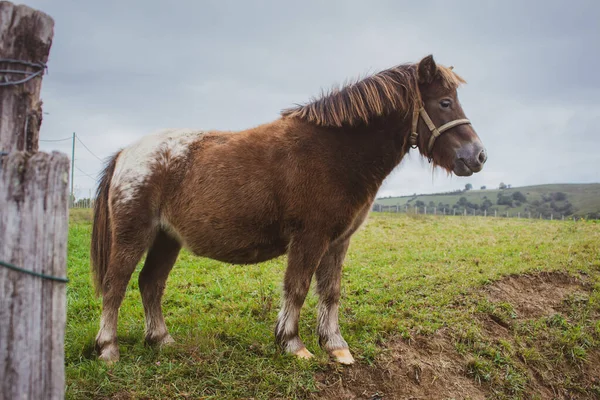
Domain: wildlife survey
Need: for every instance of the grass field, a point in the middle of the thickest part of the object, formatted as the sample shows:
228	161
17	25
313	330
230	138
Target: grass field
406	277
584	197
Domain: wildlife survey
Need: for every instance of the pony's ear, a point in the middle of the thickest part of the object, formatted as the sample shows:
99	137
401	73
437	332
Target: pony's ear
427	70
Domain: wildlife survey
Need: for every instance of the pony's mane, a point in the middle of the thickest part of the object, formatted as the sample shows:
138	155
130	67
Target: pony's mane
380	94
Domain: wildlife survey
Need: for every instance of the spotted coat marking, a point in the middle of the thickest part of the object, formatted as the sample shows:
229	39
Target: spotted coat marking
135	163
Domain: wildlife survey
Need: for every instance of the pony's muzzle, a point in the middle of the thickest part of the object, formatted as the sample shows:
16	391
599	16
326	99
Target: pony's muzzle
470	159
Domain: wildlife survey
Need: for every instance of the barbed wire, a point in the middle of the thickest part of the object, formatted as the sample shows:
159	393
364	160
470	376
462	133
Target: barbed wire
29	75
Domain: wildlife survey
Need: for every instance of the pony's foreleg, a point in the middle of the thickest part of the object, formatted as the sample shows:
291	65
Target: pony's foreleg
303	258
329	274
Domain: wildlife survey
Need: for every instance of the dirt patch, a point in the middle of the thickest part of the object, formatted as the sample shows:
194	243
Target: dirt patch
426	368
538	295
430	367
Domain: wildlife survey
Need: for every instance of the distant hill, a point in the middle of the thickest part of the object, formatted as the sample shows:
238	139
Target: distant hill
578	200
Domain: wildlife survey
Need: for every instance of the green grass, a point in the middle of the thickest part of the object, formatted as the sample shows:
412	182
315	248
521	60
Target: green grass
404	275
584	197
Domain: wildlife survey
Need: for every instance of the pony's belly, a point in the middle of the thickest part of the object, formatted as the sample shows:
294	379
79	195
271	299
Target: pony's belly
240	255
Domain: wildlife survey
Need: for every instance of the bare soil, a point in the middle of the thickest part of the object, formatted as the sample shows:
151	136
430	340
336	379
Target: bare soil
426	368
430	367
538	295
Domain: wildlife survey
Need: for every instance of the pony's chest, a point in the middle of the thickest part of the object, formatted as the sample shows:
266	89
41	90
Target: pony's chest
349	226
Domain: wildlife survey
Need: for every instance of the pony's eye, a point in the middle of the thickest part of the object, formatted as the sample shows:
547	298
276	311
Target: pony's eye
445	103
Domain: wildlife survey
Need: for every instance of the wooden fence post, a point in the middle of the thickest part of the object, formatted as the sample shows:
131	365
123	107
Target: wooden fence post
34	218
24	45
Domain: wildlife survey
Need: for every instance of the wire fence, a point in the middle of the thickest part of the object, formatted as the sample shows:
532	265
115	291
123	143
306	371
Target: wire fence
457	212
397	209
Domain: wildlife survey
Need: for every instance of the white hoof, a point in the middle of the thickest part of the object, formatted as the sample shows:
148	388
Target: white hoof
303	354
343	356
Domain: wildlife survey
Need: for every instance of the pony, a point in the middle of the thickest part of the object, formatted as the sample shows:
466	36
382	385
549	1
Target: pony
249	196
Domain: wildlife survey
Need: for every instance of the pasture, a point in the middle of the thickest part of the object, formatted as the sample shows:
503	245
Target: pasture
585	198
432	307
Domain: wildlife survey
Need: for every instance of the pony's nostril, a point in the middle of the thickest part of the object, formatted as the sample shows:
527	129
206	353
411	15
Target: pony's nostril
482	157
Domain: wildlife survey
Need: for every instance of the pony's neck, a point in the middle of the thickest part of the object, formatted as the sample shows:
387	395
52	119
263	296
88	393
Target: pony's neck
372	151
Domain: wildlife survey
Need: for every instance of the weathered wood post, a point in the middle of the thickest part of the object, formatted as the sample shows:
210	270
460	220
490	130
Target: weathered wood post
33	217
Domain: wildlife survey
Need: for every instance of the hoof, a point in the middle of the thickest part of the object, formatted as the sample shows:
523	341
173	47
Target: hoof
303	354
167	340
109	354
343	356
163	341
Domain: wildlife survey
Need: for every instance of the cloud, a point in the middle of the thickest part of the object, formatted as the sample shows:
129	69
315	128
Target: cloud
120	70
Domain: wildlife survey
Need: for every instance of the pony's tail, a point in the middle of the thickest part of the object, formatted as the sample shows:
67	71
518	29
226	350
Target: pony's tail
101	230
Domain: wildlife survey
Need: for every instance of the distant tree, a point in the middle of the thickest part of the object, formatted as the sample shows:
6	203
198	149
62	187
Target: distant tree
486	204
502	186
419	203
431	204
504	200
518	196
483	187
468	186
462	201
559	196
508	186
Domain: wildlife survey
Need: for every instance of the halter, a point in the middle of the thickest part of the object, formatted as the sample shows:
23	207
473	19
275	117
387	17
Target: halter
435	132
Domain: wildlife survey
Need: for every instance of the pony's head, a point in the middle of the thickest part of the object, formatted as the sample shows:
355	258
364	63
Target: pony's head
440	129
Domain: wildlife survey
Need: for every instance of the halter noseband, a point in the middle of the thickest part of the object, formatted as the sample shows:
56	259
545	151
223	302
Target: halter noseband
435	132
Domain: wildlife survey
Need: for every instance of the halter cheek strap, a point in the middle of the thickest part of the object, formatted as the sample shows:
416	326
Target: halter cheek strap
435	132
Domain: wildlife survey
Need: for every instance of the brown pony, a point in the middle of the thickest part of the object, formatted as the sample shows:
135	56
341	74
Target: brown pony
250	196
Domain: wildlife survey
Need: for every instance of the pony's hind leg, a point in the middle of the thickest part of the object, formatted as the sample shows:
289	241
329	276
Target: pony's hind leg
131	238
328	276
152	281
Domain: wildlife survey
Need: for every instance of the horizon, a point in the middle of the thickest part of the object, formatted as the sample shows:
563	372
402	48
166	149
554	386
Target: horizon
474	189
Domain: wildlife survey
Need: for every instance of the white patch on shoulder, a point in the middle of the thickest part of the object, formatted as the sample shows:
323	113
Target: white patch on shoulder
135	162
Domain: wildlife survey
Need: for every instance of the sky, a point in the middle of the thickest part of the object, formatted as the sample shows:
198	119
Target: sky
119	70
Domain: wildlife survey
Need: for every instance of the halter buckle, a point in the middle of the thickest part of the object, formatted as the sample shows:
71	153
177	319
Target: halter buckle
413	140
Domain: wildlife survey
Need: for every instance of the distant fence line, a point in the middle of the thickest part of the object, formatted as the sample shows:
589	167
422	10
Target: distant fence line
89	203
464	212
83	203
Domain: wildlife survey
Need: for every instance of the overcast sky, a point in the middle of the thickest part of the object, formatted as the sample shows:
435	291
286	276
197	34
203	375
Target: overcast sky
119	70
